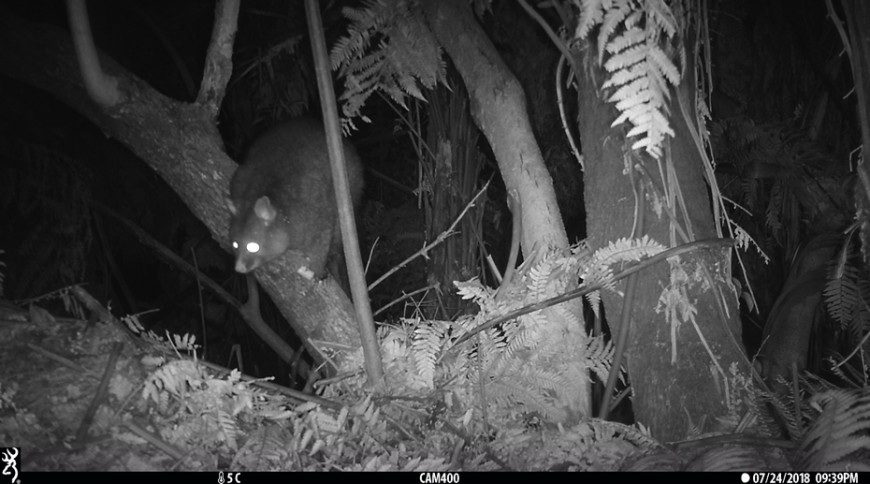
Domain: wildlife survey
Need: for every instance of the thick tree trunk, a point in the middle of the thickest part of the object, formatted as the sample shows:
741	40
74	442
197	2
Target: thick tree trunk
181	143
498	106
858	20
668	397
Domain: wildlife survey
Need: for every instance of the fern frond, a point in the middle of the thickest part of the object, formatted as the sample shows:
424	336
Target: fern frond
512	332
660	14
511	392
366	22
841	293
765	423
547	380
743	240
630	95
785	411
520	338
850	375
428	340
614	15
513	368
839	431
627	75
726	459
658	461
474	290
630	45
598	271
229	429
663	65
594	300
598	356
639	67
627	250
591	14
538	279
406	54
774	207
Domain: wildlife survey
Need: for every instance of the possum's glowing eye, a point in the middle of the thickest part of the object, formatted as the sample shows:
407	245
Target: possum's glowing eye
253	247
235	245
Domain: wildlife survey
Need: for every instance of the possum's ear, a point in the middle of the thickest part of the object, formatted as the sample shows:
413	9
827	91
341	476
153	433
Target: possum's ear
232	206
264	209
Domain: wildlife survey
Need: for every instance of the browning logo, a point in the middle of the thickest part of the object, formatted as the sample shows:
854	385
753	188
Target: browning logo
9	459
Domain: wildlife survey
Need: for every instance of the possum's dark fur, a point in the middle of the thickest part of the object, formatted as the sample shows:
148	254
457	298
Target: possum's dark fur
282	199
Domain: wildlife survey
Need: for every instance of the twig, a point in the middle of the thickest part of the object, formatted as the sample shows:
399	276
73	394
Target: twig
306	397
218	66
855	351
441	238
544	25
63	361
161	444
94	306
625	316
585	289
102	391
838	24
561	103
405	296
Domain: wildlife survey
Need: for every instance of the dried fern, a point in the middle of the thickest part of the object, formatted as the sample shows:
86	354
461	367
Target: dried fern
512	360
172	379
514	369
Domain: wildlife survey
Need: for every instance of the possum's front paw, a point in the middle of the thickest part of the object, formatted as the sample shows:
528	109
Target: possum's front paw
308	273
305	272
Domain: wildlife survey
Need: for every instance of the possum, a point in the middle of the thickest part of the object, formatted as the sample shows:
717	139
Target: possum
282	199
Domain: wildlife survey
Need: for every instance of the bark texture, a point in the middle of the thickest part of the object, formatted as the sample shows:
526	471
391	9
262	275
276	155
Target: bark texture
498	107
181	143
668	397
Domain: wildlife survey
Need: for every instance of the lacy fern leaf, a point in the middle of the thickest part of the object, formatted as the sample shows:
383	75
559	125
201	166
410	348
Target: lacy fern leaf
611	19
427	343
726	459
839	431
640	69
598	355
842	294
598	270
406	54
